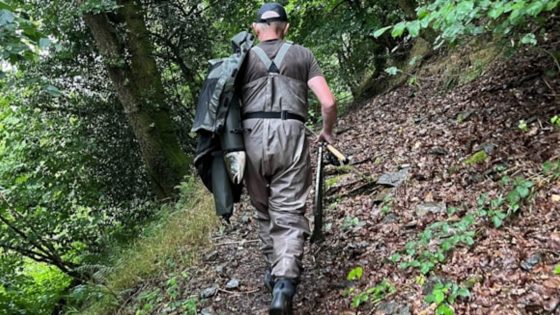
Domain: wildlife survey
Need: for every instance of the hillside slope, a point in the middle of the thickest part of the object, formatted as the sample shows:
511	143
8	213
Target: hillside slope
453	147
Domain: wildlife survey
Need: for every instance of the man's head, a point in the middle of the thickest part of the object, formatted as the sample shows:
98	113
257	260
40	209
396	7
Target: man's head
271	22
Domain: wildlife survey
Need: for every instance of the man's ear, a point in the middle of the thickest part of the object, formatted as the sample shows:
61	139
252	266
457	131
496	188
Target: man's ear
255	29
286	28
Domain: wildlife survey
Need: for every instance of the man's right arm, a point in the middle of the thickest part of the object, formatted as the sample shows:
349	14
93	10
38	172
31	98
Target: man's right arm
321	89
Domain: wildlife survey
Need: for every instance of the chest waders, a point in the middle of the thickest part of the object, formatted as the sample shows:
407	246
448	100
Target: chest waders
278	174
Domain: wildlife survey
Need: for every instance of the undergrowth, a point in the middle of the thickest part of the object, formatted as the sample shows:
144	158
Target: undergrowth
173	241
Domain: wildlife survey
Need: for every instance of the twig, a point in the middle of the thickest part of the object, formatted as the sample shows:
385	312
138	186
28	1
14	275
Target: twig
238	292
553	58
238	242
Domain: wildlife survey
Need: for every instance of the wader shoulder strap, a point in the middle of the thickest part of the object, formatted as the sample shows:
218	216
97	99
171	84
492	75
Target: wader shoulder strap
281	54
263	57
273	65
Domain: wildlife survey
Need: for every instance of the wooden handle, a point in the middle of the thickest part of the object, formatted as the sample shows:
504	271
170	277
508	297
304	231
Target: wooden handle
339	155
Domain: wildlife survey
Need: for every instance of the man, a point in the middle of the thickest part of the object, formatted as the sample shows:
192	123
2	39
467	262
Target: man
274	84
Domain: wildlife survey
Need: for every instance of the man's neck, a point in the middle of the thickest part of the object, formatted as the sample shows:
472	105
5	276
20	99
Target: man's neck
268	37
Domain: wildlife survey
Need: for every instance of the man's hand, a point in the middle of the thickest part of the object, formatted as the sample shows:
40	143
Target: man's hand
325	137
321	89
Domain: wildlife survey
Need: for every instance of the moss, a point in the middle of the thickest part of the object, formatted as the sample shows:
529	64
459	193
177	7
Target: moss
477	158
332	181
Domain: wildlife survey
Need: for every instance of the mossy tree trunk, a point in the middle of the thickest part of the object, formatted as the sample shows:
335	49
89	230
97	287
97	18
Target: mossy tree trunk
123	41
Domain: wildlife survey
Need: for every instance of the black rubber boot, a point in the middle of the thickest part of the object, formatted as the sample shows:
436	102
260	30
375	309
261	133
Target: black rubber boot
268	281
282	296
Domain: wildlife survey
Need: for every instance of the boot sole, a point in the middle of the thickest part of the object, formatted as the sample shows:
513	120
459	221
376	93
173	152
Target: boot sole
279	308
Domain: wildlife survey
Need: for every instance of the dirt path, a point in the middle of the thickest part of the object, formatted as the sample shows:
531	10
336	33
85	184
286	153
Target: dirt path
508	270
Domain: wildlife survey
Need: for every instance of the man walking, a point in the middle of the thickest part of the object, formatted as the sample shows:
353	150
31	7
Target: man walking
274	85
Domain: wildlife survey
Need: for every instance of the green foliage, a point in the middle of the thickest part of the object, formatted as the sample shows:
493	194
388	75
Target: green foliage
551	168
20	38
434	243
387	204
557	270
349	223
555	121
374	294
522	125
477	158
444	295
457	19
501	207
355	274
98	6
167	247
392	70
35	288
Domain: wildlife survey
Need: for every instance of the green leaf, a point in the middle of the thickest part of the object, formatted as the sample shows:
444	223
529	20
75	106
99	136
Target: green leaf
463	293
557	270
496	11
497	221
422	12
439	296
465	7
392	70
535	8
355	274
398	29
53	90
445	309
44	43
529	39
381	31
5	6
522	191
6	17
551	5
413	28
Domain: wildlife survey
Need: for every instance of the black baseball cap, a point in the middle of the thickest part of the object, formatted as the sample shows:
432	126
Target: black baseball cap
270	12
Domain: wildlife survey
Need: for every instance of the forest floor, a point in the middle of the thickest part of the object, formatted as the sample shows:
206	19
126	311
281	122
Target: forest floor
430	241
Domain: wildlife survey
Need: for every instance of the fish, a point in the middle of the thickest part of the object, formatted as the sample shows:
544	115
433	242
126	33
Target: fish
235	164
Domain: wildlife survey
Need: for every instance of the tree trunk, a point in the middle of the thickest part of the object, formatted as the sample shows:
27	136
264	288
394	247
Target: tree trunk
132	69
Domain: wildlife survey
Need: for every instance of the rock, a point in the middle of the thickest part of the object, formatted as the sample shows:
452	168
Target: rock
430	207
389	218
489	148
387	308
411	224
232	284
221	269
393	179
211	256
464	116
245	219
208	311
552	304
404	310
531	262
439	151
209	292
392	308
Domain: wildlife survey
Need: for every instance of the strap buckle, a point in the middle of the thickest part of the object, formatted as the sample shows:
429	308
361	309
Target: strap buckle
284	115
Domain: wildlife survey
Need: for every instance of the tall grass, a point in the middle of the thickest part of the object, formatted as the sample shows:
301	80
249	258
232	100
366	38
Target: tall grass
178	237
